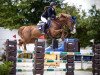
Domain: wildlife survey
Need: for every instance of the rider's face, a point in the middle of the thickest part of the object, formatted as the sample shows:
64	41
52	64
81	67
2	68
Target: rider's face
54	6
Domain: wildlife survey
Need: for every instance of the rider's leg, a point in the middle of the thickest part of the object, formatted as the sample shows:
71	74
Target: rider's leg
49	23
45	21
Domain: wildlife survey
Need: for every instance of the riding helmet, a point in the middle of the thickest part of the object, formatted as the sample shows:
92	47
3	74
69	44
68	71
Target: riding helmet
53	3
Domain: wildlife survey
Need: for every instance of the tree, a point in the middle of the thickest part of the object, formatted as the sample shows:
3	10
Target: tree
94	27
9	14
15	13
88	27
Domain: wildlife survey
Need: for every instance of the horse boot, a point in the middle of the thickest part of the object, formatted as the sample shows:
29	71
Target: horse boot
45	28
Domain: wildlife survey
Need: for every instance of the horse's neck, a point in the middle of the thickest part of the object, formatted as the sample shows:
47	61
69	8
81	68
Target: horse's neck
56	23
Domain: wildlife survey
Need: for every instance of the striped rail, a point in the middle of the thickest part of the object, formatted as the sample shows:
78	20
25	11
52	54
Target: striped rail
60	53
51	69
63	53
32	60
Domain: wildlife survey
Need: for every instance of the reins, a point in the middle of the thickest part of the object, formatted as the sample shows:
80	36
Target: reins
57	23
60	24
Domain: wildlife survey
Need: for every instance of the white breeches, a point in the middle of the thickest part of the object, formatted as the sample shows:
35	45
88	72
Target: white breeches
44	19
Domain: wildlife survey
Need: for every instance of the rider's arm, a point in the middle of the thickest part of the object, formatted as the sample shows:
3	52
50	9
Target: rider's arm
49	11
54	14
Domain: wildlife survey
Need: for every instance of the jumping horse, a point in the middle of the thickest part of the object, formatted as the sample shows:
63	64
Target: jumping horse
58	26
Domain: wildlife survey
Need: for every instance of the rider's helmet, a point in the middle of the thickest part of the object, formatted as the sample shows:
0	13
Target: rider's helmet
53	4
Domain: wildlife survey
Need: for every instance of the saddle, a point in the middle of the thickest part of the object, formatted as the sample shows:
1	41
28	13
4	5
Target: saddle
42	26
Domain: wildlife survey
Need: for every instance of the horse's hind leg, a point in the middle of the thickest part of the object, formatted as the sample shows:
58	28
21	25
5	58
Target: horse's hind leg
22	43
32	40
24	48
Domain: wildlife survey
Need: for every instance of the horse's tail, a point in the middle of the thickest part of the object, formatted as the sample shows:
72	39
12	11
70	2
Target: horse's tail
20	30
20	34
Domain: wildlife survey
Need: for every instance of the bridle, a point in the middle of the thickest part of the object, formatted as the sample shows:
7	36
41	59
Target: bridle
62	24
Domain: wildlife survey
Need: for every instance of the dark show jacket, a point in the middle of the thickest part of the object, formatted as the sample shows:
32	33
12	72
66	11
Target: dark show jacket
49	13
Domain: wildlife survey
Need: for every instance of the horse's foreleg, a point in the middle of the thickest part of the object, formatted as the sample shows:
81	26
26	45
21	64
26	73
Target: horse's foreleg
62	31
62	35
66	34
55	32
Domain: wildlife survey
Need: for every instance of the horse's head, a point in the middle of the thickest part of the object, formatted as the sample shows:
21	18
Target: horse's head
67	20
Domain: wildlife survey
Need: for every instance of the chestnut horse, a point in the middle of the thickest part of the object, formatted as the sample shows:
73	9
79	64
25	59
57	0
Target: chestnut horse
29	34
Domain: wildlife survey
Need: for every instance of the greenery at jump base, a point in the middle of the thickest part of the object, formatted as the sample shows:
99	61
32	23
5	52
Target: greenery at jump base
16	13
5	68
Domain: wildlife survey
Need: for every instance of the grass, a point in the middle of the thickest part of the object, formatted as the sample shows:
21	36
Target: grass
5	68
88	69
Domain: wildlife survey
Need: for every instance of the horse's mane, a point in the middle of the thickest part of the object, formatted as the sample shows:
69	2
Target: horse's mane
64	14
61	15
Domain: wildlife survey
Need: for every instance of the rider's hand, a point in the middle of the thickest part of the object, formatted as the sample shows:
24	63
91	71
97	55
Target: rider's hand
49	18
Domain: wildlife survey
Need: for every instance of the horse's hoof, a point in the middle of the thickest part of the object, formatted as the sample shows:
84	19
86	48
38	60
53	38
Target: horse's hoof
73	32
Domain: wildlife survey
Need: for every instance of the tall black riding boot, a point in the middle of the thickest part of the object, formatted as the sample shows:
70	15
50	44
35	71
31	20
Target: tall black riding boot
45	27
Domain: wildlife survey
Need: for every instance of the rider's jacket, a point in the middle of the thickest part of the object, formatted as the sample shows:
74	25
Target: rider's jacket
49	13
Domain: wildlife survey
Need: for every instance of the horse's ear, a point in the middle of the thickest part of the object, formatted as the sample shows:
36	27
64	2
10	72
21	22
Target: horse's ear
62	15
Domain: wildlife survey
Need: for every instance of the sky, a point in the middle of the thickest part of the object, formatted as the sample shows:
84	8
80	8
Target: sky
85	4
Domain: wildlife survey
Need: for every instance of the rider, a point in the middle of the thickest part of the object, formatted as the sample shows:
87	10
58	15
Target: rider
49	14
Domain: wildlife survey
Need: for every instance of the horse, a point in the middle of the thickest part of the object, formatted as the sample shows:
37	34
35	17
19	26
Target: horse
30	33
